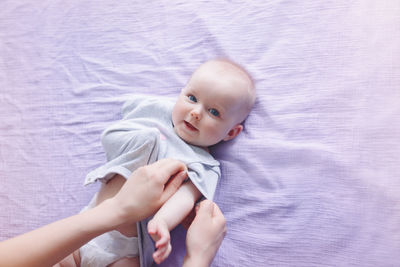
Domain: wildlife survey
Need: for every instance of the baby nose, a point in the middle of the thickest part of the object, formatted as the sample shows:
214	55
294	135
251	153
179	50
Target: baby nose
195	114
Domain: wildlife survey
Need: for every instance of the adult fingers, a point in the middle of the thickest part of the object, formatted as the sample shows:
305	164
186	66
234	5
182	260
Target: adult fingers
217	211
205	210
219	218
210	210
173	185
168	167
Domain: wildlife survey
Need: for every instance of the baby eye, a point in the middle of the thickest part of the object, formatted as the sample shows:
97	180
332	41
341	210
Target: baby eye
214	112
192	98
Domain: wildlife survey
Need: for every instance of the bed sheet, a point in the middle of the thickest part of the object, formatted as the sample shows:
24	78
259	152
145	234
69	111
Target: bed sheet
312	181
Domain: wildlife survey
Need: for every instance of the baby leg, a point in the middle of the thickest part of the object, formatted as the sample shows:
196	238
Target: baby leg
125	262
72	260
107	191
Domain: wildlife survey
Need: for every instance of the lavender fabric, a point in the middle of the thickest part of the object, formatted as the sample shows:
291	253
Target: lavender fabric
312	181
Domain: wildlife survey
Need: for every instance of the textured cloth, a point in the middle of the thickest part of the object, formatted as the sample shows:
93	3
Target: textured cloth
313	180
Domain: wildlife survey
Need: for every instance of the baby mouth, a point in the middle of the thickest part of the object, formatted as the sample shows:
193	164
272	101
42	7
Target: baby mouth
190	126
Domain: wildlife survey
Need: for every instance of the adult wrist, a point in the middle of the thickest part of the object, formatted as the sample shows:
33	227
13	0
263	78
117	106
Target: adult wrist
114	214
196	261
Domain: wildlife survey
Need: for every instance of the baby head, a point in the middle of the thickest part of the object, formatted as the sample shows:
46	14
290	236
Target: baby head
214	103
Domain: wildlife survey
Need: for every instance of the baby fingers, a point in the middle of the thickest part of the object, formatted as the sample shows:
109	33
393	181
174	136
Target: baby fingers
162	253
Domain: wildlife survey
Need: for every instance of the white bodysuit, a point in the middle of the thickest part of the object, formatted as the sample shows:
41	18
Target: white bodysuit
143	136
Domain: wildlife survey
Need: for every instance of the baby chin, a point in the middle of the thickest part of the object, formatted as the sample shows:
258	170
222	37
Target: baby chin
187	134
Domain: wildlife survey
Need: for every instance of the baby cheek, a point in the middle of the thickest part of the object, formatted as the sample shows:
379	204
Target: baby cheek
184	109
179	111
215	133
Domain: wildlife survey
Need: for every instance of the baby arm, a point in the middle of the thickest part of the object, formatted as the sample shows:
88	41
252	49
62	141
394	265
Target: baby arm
169	216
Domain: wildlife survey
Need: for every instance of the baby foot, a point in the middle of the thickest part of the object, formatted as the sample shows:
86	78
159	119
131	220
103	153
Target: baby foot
159	232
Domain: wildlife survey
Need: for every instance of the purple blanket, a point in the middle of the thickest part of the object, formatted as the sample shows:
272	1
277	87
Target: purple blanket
312	181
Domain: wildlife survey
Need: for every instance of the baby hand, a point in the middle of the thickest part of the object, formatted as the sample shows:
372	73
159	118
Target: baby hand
159	232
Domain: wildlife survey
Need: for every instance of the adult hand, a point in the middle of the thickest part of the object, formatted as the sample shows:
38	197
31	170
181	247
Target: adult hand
146	190
149	187
204	235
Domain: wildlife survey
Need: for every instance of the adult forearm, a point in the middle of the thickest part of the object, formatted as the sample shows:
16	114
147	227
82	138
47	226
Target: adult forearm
190	261
50	244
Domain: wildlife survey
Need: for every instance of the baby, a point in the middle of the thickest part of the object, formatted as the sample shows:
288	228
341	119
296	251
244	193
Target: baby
210	109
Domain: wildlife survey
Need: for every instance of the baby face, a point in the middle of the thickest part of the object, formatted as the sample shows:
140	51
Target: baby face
210	108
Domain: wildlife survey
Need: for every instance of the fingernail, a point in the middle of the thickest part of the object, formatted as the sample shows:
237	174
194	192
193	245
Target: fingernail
182	174
197	207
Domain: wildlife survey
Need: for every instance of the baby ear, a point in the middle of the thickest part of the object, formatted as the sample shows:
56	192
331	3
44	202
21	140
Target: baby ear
234	132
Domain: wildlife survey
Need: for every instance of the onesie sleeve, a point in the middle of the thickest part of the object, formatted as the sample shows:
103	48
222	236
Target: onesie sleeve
129	143
134	105
204	177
